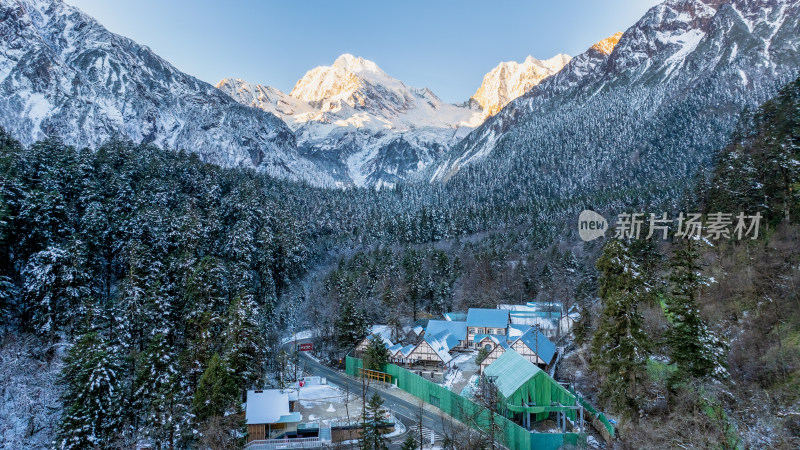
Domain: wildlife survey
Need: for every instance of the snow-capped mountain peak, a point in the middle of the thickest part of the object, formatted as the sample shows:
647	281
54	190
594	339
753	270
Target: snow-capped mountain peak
350	80
356	64
359	122
511	79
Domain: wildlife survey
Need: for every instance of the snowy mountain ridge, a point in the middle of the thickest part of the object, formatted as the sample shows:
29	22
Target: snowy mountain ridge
511	79
368	128
63	74
699	59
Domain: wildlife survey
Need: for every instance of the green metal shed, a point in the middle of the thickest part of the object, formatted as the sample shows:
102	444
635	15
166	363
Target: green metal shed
525	388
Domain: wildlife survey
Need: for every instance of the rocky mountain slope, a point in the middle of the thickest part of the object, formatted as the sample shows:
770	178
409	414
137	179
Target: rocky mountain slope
511	79
641	120
359	124
64	74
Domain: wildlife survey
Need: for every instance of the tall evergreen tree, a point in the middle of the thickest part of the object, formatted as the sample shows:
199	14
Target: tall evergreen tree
619	344
372	438
216	392
376	354
695	349
243	339
161	394
92	396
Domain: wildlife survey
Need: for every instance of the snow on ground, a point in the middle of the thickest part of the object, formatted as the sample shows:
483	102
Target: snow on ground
321	392
469	389
462	358
29	391
592	442
399	428
331	408
452	377
305	334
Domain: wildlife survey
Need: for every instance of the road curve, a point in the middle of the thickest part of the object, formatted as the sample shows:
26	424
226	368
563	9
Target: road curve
408	410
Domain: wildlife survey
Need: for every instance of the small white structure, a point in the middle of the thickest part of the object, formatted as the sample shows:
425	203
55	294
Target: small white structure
268	415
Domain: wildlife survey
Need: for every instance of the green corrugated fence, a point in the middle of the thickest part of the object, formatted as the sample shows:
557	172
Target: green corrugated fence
470	413
600	416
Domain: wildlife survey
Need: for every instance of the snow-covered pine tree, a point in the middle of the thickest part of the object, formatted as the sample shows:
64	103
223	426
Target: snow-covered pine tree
92	396
56	283
619	344
694	347
161	396
243	341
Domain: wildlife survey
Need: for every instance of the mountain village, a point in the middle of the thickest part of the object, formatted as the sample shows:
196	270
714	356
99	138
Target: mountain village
357	263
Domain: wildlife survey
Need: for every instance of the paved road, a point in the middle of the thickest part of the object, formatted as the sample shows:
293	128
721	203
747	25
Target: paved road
407	411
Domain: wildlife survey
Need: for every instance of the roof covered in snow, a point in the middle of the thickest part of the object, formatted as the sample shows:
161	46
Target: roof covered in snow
492	318
516	330
383	331
269	406
441	344
405	351
457	328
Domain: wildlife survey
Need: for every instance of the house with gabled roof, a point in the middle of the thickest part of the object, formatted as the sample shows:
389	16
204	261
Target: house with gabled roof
362	346
403	354
456	329
495	346
534	346
482	321
434	349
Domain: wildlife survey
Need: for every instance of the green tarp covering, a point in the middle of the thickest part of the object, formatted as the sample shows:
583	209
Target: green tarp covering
475	416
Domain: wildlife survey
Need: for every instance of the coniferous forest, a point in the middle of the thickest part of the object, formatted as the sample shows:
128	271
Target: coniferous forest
150	288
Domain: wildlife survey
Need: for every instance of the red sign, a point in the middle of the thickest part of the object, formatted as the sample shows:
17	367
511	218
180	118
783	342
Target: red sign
306	347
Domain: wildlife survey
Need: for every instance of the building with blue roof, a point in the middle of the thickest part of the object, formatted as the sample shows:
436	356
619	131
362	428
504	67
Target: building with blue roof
533	345
434	349
486	321
458	330
536	348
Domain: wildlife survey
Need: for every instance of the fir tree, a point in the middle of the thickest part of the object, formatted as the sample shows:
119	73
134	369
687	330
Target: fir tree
244	340
619	344
216	392
693	346
372	438
351	325
376	355
92	379
161	396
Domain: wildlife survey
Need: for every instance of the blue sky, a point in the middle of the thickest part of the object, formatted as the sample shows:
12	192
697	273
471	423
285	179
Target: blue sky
445	45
